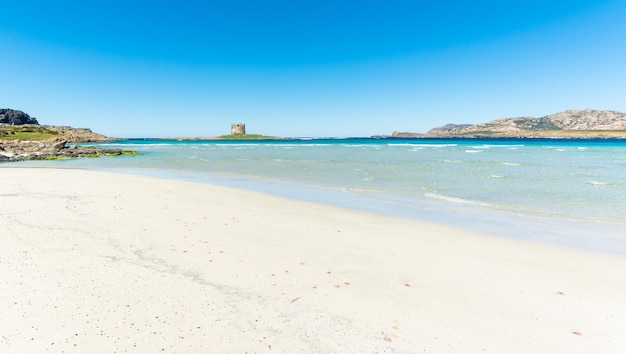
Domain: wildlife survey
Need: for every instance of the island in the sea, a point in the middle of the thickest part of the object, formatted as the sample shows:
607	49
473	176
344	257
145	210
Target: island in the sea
237	132
574	123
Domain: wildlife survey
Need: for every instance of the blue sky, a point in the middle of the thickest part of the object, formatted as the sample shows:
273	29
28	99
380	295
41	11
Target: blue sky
307	68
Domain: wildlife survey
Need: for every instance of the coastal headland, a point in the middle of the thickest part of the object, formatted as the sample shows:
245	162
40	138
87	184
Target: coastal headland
573	123
101	263
23	138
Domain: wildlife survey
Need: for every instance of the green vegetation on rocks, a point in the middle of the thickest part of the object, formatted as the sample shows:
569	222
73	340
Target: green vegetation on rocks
51	149
94	155
26	132
23	138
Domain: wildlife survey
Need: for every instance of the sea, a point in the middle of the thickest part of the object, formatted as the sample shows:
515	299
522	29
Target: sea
570	192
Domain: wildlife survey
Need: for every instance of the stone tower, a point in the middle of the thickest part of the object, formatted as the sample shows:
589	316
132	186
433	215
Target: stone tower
237	129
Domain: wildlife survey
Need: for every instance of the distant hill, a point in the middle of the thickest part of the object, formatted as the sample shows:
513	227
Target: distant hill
448	128
575	122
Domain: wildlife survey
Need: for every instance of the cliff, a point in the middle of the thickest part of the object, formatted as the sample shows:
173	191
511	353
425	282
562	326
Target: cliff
570	123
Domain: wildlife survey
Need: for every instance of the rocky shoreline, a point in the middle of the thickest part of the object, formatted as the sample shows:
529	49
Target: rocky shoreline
20	150
23	138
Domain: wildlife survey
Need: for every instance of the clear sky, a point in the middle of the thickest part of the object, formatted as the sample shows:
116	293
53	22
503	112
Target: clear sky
307	68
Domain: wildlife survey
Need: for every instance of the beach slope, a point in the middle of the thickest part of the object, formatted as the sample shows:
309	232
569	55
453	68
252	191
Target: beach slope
110	263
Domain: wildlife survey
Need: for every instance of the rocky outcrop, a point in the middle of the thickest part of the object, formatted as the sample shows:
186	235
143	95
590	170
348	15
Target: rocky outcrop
11	119
447	128
15	117
567	123
18	150
70	134
405	135
77	135
22	138
587	119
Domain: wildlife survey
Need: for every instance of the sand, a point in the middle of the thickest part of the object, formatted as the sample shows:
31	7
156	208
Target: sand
94	262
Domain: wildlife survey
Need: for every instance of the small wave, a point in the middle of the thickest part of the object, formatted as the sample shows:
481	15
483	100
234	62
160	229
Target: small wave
269	145
239	146
496	176
308	145
354	190
473	151
136	145
451	161
490	146
444	198
511	163
423	145
400	145
598	183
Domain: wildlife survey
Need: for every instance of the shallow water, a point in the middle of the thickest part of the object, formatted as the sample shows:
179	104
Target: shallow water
567	191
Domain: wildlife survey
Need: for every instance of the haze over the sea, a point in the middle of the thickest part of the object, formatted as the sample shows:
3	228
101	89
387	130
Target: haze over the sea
307	68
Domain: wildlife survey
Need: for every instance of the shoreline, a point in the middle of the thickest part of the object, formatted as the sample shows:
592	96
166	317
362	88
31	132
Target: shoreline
109	262
599	236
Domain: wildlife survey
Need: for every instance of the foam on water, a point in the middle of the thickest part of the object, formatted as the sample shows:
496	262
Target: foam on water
436	196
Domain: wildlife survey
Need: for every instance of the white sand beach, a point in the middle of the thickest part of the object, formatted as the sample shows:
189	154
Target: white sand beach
95	262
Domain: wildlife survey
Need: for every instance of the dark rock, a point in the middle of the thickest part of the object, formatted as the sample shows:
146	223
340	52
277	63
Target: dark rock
15	117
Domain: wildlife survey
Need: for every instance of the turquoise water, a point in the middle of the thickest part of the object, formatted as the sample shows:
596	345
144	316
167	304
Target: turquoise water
548	188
